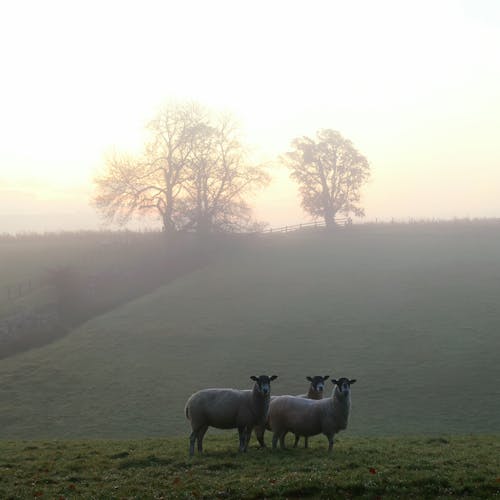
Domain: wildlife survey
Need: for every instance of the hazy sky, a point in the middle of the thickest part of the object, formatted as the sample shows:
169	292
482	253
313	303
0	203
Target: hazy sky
415	85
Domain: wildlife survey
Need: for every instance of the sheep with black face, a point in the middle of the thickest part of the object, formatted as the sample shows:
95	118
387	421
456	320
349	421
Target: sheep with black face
315	392
229	409
309	417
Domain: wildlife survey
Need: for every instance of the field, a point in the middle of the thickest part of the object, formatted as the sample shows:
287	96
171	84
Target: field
412	313
416	467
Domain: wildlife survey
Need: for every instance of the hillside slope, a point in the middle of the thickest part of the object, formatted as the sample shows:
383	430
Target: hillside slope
412	313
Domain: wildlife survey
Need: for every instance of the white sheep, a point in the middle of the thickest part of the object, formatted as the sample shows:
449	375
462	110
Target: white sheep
309	417
228	409
315	392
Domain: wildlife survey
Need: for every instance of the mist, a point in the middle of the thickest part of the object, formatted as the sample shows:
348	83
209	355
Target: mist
212	196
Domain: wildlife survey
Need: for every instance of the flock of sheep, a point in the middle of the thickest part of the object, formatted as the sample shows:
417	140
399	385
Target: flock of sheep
305	415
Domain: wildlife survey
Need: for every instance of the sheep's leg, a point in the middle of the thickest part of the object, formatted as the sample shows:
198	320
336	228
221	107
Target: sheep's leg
275	440
330	442
259	434
306	442
282	441
242	436
247	434
201	435
192	439
297	437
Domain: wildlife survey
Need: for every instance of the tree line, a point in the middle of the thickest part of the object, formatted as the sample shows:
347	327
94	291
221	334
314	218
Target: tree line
194	174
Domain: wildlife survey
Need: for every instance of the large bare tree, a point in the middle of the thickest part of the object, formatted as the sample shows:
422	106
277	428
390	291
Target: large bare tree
330	172
152	183
193	174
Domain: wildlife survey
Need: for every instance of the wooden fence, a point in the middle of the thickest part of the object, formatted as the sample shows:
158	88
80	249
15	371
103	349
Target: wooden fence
341	222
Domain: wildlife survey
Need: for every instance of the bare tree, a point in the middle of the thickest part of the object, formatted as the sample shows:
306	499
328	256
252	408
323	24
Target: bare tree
193	174
152	184
220	179
330	172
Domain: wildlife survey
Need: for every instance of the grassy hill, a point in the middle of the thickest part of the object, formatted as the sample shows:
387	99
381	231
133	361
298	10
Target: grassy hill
28	260
51	283
358	467
412	312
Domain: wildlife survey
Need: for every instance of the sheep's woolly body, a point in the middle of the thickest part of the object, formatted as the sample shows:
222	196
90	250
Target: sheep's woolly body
226	409
261	429
308	417
311	394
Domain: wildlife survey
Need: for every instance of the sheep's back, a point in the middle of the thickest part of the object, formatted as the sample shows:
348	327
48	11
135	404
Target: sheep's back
295	414
219	408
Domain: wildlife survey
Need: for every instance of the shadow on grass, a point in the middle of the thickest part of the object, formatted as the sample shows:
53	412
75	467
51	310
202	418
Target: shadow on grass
223	466
123	454
141	463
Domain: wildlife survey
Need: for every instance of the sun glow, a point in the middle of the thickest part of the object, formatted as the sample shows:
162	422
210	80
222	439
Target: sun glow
414	86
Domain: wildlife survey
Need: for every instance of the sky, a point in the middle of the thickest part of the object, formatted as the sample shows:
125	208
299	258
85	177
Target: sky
414	85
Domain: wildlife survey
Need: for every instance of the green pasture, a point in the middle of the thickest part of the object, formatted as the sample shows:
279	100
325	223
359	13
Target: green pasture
413	313
412	467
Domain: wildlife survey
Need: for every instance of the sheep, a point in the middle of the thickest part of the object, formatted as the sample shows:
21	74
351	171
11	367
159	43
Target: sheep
229	409
309	417
315	388
315	392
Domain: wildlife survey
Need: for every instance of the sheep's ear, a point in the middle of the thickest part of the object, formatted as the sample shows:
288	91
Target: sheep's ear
326	377
334	382
273	377
352	381
253	377
309	378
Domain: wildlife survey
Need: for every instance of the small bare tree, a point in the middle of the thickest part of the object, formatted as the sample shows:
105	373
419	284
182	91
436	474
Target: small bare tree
330	173
220	178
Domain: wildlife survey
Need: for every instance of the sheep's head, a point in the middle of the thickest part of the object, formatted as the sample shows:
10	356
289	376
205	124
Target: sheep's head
343	385
263	383
317	382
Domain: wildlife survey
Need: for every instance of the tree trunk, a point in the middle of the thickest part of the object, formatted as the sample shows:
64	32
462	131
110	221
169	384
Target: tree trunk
329	217
167	214
204	225
168	224
328	212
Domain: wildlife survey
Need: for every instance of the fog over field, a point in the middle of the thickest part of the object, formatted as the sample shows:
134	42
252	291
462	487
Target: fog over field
194	193
411	312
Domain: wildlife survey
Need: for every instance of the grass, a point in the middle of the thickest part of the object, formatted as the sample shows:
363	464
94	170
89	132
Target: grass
411	312
412	467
